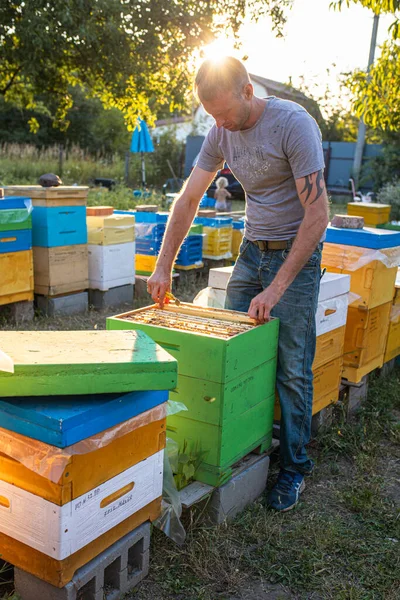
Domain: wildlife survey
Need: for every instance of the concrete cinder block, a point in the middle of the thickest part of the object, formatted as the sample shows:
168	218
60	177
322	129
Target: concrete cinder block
54	306
109	576
247	484
354	394
387	368
321	419
18	312
118	296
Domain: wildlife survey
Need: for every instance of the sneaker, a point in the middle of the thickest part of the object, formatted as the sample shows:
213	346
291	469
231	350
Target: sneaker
286	492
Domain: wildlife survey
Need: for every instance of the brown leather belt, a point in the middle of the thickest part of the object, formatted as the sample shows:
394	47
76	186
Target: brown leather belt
265	245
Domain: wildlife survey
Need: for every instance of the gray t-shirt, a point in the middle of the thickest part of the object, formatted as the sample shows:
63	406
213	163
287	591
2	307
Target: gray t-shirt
285	144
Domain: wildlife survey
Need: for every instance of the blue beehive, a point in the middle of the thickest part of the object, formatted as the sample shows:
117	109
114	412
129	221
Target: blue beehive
65	420
191	251
368	237
59	226
9	202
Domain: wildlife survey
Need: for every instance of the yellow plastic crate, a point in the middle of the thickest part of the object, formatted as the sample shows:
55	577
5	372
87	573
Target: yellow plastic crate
393	338
327	379
113	229
373	282
16	276
374	214
217	241
145	263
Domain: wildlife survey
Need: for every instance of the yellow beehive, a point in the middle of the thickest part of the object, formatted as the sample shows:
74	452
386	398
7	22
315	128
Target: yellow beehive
374	214
145	263
16	276
373	281
112	229
329	346
217	241
365	340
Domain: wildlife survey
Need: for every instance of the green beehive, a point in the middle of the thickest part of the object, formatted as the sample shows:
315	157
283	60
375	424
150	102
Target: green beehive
15	219
54	363
226	378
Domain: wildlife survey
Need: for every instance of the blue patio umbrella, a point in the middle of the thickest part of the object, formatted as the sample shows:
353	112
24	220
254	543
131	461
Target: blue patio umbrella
142	142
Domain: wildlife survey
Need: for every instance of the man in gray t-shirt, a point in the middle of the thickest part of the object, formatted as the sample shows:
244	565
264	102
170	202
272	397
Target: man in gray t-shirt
274	149
282	146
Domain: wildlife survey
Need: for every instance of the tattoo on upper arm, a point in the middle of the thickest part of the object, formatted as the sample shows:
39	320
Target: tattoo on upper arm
309	186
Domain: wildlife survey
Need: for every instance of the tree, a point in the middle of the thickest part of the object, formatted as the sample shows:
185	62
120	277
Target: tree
376	94
134	55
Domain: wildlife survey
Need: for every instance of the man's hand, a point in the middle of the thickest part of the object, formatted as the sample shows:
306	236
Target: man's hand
261	305
158	284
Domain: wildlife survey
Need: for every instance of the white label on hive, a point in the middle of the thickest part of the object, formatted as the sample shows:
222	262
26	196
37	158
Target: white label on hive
59	531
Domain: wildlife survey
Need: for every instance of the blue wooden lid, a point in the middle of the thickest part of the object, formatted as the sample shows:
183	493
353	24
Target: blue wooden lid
368	237
65	420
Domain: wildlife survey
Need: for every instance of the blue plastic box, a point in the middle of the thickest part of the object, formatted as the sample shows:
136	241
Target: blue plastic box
191	250
15	241
65	420
217	222
59	226
377	239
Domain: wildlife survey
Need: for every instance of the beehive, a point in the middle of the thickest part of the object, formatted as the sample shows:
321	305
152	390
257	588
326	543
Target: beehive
372	281
16	277
111	265
110	229
217	242
237	238
99	211
60	270
227	387
365	340
59	363
374	214
15	219
145	263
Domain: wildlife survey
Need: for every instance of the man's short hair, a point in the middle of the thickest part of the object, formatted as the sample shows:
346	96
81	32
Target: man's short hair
225	75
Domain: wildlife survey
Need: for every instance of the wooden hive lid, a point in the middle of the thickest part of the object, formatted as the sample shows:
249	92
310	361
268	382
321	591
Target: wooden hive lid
84	362
99	211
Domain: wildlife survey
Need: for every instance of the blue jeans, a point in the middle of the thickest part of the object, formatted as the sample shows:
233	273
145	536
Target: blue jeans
253	272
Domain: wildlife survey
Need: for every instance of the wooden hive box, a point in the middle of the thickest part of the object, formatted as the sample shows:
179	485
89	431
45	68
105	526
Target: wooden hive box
62	195
111	266
59	363
16	277
61	270
227	387
374	214
365	340
59	226
99	211
112	229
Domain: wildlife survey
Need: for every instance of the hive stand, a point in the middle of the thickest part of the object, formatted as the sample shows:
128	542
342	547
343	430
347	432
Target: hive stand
60	306
109	576
18	312
114	297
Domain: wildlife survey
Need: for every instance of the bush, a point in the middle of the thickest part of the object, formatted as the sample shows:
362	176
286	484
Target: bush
390	194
